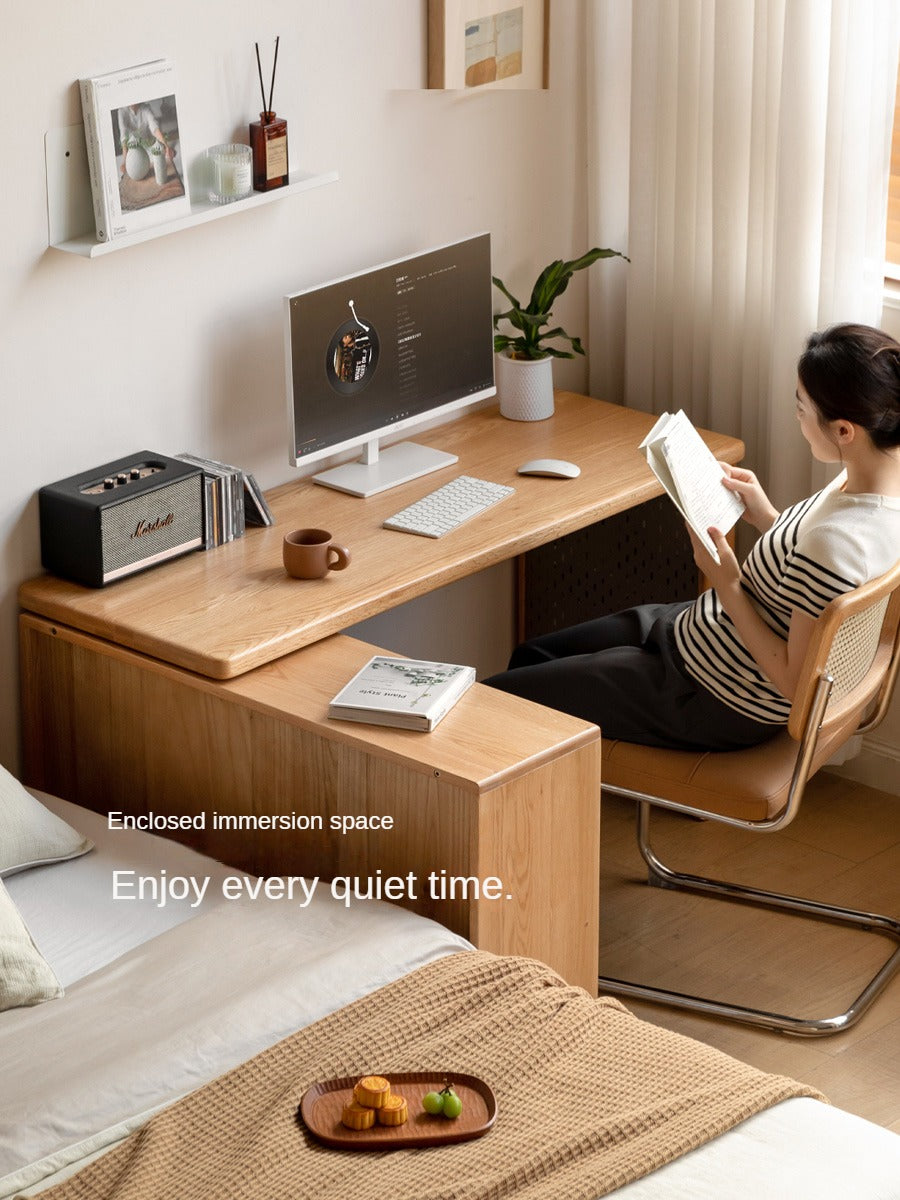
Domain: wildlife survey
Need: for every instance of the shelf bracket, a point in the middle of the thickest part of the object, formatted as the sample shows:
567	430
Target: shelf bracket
70	211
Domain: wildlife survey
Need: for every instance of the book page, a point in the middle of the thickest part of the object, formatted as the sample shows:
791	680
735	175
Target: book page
687	469
698	479
652	445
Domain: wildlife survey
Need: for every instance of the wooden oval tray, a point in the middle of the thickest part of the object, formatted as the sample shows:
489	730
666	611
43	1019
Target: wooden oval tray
322	1105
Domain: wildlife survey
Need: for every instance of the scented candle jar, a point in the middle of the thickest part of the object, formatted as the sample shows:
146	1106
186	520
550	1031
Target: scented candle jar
230	172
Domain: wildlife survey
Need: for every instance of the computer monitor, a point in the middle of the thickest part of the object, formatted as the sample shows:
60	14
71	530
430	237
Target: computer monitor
374	353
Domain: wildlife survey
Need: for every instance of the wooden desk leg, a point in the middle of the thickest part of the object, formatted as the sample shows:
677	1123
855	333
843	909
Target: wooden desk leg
541	836
521	599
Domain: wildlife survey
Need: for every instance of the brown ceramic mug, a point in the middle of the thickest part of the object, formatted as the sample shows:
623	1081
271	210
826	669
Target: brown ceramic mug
312	553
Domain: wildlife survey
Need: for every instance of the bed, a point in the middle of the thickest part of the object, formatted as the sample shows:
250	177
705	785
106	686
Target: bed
164	1001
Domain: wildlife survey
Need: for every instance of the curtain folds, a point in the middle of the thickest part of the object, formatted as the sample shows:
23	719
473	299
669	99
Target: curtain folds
739	152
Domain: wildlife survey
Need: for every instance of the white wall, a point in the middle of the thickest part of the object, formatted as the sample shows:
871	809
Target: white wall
202	308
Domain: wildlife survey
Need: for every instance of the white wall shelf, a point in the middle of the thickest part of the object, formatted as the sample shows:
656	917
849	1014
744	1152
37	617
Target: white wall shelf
71	215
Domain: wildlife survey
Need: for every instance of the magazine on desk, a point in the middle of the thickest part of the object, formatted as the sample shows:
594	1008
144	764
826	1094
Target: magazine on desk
403	692
685	466
134	148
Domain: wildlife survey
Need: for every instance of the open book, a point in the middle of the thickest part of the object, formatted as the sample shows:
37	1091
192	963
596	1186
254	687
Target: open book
685	466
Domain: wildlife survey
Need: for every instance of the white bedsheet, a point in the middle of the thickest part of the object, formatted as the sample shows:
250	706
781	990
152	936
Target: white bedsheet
188	1001
155	1006
800	1149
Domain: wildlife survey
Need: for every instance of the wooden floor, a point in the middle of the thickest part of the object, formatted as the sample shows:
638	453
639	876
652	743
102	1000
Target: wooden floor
844	848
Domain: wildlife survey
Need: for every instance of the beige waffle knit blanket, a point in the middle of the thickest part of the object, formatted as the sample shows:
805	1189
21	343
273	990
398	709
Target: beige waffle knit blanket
588	1098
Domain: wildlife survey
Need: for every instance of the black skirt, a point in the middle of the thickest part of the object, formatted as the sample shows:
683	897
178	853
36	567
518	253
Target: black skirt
624	673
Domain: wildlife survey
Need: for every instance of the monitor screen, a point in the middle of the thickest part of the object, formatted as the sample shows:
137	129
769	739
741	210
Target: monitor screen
376	352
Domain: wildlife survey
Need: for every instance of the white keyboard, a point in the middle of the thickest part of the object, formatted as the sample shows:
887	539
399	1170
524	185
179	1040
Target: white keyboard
449	506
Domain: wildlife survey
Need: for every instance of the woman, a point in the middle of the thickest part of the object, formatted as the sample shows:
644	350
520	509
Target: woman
719	673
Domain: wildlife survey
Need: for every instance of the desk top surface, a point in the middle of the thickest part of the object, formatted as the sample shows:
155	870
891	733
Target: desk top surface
228	610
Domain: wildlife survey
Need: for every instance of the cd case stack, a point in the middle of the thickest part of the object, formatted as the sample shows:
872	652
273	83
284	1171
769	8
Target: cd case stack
232	499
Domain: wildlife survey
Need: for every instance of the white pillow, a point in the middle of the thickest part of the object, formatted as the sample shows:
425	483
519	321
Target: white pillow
25	976
30	834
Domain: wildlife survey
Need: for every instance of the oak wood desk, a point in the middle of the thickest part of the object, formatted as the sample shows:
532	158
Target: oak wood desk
203	686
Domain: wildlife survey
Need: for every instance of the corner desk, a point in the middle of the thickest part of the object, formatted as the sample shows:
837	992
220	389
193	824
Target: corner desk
202	686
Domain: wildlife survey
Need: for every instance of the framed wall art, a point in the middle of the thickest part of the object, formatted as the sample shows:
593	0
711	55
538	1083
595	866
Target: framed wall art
505	44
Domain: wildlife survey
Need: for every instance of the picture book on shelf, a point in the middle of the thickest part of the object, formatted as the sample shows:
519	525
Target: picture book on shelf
403	692
134	148
687	469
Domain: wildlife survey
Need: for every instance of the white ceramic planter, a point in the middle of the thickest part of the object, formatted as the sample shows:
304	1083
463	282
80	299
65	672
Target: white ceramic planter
525	387
160	167
137	162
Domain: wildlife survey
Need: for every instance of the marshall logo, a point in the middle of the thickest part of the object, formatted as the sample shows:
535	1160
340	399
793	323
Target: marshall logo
145	527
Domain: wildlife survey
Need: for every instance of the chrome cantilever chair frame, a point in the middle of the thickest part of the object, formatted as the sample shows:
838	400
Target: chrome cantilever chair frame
868	690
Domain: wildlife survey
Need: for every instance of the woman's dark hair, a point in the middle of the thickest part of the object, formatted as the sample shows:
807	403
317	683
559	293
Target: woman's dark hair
852	373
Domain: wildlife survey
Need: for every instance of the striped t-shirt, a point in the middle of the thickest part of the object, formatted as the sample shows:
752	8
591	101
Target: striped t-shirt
815	550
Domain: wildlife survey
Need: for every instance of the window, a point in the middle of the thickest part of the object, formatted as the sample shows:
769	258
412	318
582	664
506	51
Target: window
892	249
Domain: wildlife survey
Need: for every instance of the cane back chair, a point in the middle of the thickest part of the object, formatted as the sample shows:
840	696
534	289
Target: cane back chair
844	689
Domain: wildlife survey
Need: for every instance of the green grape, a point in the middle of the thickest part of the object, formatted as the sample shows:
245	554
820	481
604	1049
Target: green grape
452	1104
433	1103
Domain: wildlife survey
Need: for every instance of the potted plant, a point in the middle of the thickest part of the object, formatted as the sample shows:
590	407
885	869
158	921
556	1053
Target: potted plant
525	360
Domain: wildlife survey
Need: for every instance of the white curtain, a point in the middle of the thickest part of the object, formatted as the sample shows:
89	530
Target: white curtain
739	151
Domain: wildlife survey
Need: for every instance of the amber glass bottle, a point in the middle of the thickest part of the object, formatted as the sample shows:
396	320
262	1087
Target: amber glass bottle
268	141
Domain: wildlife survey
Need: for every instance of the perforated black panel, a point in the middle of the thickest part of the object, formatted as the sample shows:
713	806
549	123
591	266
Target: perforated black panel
639	556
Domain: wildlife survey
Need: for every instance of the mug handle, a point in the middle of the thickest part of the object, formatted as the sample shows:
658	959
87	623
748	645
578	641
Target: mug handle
341	557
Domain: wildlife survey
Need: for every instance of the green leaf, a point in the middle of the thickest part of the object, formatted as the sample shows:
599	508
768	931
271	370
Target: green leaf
551	283
506	292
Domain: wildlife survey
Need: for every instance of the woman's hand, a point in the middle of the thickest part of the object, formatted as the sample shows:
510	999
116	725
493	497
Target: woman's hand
724	575
759	510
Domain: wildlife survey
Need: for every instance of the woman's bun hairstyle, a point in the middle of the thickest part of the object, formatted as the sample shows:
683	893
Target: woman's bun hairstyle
852	373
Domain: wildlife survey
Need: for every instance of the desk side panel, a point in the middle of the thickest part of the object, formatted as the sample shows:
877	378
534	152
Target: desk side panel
110	731
106	734
543	840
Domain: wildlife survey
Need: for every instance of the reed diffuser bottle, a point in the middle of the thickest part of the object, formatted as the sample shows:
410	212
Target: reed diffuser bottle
269	138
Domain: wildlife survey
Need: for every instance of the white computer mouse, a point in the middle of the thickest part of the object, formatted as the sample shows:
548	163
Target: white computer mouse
555	468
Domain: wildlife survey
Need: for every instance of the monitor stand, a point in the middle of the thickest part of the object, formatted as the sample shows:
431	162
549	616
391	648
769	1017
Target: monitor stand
377	471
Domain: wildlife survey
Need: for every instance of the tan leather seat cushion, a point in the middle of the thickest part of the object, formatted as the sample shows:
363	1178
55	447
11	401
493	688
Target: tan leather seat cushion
749	784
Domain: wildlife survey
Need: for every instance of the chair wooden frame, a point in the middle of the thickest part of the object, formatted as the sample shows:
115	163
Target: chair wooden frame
833	702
